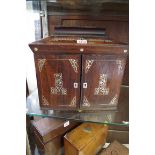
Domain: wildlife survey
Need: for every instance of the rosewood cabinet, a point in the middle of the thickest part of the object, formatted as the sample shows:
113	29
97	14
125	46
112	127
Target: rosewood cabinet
73	76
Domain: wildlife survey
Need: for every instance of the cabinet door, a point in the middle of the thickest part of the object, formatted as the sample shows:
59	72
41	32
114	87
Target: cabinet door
101	80
58	81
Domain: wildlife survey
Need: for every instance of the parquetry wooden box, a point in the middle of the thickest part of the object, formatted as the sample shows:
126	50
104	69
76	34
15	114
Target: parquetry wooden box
86	139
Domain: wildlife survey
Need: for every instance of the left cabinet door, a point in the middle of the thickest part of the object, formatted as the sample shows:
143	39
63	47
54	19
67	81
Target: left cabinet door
58	78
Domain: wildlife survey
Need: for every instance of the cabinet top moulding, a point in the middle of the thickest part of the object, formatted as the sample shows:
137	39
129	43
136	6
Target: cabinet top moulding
69	44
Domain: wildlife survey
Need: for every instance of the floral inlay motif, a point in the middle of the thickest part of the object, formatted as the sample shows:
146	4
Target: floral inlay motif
114	100
102	87
44	101
120	65
73	102
88	65
85	102
58	89
74	64
41	63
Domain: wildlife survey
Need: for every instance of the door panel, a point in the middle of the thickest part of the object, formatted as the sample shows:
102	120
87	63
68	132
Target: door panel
102	77
59	81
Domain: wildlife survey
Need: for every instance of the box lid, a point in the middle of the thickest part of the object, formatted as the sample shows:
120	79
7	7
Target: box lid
84	134
76	44
49	128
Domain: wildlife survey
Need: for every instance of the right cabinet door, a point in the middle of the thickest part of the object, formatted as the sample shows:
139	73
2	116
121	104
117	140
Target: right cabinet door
101	80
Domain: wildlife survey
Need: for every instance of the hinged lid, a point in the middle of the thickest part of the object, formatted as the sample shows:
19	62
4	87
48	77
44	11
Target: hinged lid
77	44
84	134
78	40
49	128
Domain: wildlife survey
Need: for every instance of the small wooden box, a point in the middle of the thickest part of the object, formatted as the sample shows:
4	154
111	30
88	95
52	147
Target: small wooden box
48	134
86	139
